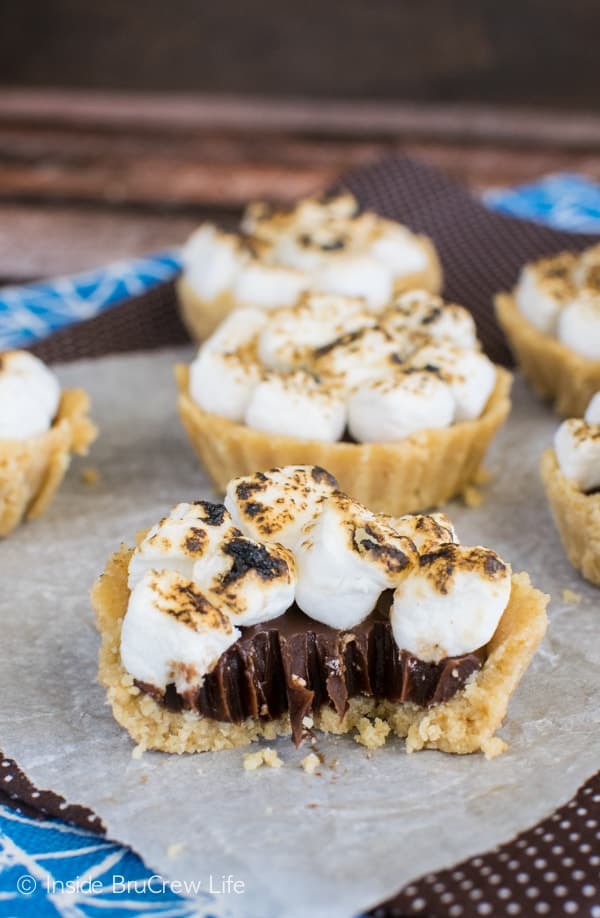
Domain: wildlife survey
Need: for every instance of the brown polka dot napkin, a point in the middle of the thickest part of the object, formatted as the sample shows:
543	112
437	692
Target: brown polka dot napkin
552	869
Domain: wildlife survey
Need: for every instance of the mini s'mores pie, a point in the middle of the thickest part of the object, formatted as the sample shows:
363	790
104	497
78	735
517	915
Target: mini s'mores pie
320	244
40	427
552	322
358	615
400	406
571	475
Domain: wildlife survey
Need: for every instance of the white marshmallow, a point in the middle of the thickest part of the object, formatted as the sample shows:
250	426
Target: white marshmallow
592	412
579	325
420	312
356	275
451	603
296	405
577	446
391	409
470	375
236	330
268	286
29	396
292	333
543	288
346	558
274	506
254	582
427	531
223	383
190	532
211	261
171	632
397	248
355	358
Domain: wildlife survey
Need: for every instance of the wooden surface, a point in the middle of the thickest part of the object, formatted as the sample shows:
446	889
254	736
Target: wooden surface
88	178
501	52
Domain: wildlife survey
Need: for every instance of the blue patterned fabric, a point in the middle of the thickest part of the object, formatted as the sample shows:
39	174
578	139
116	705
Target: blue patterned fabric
564	201
38	858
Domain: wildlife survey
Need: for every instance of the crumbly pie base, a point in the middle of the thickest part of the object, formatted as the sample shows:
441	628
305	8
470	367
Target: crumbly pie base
554	370
466	723
418	473
31	470
577	518
201	316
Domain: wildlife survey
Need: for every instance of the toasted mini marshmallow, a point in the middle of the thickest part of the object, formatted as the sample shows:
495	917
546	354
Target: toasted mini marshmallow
296	405
450	603
579	325
577	446
470	375
356	274
291	334
212	260
421	312
172	633
354	358
29	396
274	506
386	410
268	286
398	249
223	383
189	533
543	289
428	531
252	581
346	558
592	412
587	271
236	330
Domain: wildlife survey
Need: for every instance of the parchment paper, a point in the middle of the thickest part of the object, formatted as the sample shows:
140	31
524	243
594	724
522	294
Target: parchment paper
328	844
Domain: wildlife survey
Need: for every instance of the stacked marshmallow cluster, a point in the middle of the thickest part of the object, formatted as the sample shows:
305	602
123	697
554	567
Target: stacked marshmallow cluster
290	535
577	447
560	296
29	396
329	364
318	245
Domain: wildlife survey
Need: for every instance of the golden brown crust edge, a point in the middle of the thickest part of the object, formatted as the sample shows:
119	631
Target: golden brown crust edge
467	723
201	316
32	470
554	371
577	518
424	471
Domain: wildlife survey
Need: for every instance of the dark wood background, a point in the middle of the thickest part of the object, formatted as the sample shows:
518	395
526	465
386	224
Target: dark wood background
122	125
509	52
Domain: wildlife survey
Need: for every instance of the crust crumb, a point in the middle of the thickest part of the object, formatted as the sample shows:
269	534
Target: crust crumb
472	497
90	475
493	746
138	751
310	763
176	849
372	734
571	596
267	756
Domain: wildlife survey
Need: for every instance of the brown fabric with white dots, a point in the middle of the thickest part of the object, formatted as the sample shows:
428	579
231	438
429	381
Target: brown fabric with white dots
552	869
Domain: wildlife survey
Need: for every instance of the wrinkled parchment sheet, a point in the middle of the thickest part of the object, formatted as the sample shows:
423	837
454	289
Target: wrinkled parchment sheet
328	844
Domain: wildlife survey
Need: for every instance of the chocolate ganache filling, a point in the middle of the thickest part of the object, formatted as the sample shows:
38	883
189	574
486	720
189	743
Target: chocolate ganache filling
297	665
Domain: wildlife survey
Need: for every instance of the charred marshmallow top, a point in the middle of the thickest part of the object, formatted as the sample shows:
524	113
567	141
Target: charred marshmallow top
289	535
29	396
327	365
560	296
577	447
318	245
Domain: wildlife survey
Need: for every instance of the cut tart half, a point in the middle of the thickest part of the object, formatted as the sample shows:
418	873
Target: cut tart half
189	664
